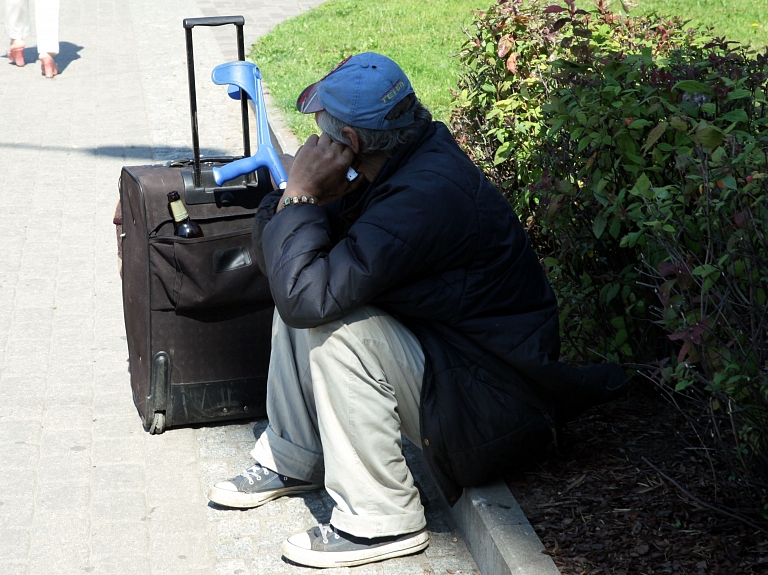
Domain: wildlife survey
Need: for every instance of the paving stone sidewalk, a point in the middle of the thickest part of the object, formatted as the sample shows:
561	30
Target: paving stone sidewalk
83	489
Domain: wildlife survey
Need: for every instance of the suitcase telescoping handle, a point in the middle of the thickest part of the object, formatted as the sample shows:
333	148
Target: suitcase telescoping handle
190	23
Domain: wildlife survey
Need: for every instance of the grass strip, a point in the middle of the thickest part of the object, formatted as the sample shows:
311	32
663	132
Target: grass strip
744	21
421	36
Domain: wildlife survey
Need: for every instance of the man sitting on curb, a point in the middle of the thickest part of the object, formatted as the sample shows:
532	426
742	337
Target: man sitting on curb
409	301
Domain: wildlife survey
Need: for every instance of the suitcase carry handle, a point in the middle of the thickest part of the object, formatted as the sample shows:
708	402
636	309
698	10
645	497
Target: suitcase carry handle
214	21
190	23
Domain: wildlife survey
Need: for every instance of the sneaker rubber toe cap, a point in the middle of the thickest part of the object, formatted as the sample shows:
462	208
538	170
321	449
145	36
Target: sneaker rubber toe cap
226	486
300	540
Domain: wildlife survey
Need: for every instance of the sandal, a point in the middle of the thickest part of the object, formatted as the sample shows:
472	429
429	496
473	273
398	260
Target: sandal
16	55
48	66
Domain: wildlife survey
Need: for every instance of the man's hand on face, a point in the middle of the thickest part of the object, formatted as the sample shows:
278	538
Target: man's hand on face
319	170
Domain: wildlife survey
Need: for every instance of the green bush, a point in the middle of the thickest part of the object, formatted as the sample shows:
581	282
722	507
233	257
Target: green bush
634	150
516	118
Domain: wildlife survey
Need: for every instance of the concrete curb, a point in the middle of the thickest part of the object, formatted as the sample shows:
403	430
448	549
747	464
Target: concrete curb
495	529
498	534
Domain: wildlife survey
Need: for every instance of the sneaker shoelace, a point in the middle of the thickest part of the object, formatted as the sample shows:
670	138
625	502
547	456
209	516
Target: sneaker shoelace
254	471
325	530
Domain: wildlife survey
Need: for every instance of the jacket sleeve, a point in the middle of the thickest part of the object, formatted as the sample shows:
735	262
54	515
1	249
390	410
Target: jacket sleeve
314	282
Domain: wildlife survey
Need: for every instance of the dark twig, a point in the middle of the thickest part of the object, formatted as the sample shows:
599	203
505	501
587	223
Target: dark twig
703	503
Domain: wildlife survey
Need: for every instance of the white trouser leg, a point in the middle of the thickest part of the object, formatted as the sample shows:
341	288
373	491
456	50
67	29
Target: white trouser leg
17	19
47	26
362	374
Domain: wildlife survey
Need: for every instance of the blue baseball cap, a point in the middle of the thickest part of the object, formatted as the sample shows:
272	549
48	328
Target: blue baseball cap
360	91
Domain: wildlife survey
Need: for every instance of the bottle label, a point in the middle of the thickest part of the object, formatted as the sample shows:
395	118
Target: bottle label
179	211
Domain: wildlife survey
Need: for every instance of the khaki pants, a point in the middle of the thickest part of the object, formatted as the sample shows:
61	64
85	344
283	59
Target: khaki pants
339	396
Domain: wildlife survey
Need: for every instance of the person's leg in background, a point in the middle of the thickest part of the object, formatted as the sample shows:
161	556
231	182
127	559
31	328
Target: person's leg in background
17	26
47	26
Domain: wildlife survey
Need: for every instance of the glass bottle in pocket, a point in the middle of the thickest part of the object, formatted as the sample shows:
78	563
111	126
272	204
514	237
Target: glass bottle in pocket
185	227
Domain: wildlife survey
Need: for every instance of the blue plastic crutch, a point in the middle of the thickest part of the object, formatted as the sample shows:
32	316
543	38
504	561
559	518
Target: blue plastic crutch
247	76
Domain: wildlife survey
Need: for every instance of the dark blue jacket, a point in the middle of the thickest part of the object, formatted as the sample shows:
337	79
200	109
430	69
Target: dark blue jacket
433	243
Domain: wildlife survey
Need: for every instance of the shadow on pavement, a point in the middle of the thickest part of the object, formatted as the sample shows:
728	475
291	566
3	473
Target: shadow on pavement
68	52
138	153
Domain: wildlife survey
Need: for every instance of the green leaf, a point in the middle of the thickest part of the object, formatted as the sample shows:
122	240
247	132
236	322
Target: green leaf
705	270
735	116
598	226
692	86
681	385
502	153
729	182
710	137
611	292
615	228
583	144
555	127
739	94
632	239
625	349
642	186
654	135
637	124
679	124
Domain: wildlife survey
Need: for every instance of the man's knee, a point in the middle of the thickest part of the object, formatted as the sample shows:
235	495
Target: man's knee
360	324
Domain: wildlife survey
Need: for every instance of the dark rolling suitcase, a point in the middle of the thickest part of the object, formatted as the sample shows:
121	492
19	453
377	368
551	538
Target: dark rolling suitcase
198	312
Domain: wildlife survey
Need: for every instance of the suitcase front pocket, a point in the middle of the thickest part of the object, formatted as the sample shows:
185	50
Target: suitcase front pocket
216	271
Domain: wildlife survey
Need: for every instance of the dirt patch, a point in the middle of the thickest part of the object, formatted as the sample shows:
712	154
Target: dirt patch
609	503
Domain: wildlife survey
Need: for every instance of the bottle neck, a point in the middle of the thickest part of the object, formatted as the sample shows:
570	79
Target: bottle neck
179	211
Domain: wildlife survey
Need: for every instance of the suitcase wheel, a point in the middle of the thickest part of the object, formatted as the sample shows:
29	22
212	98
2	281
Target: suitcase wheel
158	424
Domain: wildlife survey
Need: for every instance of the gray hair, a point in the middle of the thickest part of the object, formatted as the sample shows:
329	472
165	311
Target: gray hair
375	141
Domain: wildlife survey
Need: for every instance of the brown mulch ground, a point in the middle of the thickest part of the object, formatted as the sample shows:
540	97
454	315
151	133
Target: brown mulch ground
599	507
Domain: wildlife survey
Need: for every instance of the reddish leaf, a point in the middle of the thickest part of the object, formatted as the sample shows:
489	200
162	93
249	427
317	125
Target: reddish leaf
741	219
665	290
512	62
554	9
676	336
667	269
505	45
691	334
560	23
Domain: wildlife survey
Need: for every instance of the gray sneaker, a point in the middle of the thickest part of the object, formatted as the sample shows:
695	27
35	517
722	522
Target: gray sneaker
324	546
255	486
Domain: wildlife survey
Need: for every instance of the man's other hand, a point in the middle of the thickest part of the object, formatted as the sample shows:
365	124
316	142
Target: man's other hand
319	170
